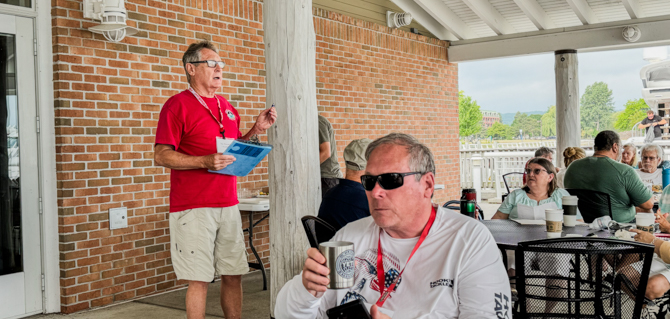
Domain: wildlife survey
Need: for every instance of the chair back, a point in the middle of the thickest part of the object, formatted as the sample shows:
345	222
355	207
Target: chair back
507	178
582	278
592	204
456	205
317	230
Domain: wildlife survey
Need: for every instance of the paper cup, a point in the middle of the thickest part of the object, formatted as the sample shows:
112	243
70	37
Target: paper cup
569	220
554	220
554	235
340	260
570	205
645	221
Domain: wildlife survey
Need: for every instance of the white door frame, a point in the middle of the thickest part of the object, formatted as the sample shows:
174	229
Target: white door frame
46	140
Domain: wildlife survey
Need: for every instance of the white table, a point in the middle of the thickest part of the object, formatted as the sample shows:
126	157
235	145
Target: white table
252	205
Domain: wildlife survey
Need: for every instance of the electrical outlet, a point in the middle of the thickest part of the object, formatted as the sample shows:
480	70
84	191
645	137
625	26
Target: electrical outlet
118	217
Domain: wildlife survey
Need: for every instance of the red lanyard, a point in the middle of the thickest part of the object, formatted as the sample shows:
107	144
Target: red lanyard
218	103
381	275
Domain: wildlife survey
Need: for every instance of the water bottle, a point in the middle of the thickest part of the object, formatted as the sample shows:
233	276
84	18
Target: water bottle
468	202
666	177
600	223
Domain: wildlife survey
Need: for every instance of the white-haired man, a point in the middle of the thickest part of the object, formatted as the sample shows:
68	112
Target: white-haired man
206	237
428	262
651	176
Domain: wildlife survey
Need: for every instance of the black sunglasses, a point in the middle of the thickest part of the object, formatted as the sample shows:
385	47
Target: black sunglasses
386	181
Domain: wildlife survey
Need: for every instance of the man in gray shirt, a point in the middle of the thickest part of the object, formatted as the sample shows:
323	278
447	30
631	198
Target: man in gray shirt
330	169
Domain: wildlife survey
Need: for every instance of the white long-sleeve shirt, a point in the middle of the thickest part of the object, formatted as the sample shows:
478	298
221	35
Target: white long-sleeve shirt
456	273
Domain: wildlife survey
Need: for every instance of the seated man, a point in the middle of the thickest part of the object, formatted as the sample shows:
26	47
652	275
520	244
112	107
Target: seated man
439	263
347	202
649	173
602	172
659	274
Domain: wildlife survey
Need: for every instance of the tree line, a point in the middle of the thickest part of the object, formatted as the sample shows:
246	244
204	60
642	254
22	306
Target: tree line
596	114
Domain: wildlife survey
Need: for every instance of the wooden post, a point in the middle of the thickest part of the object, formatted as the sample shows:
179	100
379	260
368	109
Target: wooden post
568	127
294	175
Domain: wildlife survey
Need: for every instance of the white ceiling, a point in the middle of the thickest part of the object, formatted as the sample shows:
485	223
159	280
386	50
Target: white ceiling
465	22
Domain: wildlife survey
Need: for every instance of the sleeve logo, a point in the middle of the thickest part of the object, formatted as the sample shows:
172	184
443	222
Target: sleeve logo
502	306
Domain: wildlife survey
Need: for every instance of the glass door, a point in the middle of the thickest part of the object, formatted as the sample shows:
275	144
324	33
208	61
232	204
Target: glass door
20	263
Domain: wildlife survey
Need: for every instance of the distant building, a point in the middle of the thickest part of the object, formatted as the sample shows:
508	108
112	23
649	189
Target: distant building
490	117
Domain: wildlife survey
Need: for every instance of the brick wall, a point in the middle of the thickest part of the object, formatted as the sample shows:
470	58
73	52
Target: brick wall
108	97
373	80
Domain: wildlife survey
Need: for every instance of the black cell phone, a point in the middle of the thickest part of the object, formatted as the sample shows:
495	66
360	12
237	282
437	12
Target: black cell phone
351	310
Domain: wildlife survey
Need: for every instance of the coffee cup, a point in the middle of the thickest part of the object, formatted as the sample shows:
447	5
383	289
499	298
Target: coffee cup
645	222
554	220
340	260
570	205
569	220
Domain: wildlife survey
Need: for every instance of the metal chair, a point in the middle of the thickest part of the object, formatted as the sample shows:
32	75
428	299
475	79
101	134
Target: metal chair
582	278
456	205
504	178
317	230
593	204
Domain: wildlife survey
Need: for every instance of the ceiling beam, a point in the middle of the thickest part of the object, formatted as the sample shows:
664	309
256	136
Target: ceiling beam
583	11
588	38
535	13
490	16
447	18
424	19
633	8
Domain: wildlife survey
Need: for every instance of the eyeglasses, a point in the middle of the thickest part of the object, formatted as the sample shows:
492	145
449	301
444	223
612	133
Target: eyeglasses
386	181
536	171
211	63
649	158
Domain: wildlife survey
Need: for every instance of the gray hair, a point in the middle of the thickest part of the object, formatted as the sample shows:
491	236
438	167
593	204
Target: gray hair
543	151
420	156
652	147
192	54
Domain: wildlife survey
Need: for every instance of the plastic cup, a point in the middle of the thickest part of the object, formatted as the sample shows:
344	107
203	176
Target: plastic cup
554	220
645	221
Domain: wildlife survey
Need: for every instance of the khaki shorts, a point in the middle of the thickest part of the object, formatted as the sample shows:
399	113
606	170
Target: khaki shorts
207	242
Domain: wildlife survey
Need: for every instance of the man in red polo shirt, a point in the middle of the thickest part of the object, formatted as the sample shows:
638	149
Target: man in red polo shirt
205	226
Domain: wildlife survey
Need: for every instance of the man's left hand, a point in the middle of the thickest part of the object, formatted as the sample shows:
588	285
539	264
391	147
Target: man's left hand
376	314
266	119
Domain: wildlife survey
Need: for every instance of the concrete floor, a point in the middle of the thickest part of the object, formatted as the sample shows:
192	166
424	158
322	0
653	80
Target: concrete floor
256	304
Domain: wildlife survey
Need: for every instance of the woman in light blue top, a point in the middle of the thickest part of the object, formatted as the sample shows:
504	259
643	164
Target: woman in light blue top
540	189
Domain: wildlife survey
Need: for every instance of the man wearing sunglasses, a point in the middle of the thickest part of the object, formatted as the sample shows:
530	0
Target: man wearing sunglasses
205	226
413	259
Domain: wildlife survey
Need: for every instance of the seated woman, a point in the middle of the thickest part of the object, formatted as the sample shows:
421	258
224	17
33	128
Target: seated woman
540	190
570	154
629	155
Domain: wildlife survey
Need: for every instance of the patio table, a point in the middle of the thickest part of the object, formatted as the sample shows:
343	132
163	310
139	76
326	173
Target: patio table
251	206
508	233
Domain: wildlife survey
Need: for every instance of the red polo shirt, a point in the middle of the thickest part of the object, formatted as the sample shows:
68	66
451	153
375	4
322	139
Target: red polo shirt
185	124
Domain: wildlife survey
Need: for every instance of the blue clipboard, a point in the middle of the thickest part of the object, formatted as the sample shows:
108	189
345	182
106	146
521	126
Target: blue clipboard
247	155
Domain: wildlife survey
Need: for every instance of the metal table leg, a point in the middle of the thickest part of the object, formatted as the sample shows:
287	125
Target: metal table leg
259	265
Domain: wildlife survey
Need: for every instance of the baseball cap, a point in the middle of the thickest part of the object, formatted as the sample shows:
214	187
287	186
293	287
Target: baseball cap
354	154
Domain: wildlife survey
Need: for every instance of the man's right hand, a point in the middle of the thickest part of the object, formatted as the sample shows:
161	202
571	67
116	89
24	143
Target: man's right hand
217	161
314	273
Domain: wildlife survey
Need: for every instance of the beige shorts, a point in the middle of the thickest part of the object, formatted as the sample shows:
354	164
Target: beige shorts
207	242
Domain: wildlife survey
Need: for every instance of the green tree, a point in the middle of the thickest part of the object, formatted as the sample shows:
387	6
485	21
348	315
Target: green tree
634	111
529	124
597	107
548	120
500	131
469	116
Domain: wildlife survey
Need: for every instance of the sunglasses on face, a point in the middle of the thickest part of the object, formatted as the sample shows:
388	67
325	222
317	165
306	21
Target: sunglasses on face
536	171
649	158
211	63
386	181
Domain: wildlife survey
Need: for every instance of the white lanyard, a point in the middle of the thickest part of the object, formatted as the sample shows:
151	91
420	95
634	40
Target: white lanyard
218	103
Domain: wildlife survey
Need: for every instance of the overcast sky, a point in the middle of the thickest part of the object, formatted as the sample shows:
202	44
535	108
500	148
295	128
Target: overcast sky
527	83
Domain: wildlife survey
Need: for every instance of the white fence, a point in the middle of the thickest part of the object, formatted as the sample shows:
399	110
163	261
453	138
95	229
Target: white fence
482	166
